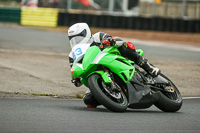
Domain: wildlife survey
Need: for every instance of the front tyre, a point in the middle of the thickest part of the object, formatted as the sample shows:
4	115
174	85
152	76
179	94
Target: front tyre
169	101
114	101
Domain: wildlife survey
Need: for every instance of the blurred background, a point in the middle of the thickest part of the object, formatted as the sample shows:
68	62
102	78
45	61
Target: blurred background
156	15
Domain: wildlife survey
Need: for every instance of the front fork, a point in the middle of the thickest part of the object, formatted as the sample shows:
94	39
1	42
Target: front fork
113	86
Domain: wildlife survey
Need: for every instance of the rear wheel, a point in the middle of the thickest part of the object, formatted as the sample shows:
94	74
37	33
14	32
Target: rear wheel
112	100
170	101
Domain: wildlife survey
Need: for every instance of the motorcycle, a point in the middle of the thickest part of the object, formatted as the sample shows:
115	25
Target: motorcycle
118	83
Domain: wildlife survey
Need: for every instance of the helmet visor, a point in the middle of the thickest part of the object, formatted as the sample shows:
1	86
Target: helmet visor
76	40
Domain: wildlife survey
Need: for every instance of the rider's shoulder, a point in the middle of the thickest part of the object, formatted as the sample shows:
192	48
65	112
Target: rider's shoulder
99	34
97	37
118	38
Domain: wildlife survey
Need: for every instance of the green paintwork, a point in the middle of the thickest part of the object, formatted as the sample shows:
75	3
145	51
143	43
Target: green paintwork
90	55
113	60
111	50
119	65
140	52
103	74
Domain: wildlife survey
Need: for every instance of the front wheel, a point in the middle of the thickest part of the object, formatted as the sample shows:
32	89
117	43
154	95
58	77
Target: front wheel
169	101
114	101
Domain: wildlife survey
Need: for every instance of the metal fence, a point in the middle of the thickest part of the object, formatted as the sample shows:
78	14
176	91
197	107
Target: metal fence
10	15
184	9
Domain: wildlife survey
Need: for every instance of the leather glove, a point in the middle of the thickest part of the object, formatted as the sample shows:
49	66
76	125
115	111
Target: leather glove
108	42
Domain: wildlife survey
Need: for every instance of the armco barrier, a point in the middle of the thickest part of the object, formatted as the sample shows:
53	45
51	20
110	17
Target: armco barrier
10	15
49	17
139	23
39	16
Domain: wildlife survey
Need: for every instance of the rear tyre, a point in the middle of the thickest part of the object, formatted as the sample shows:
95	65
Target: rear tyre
169	101
116	102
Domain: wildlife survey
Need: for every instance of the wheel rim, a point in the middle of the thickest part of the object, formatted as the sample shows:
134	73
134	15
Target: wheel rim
172	92
114	96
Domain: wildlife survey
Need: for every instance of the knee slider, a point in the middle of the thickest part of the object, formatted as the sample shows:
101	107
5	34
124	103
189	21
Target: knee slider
130	45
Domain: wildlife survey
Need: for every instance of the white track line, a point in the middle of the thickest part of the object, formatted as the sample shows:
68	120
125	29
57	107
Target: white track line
33	52
182	97
191	97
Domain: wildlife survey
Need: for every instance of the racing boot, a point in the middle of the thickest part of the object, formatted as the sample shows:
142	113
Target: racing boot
89	100
152	70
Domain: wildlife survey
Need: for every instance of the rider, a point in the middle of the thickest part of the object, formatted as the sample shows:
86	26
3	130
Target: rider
80	33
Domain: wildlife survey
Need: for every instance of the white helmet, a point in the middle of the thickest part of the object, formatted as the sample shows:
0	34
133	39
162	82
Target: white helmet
79	33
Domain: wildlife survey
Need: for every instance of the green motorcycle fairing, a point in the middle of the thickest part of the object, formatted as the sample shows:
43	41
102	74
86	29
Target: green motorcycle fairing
110	57
140	52
119	65
82	66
